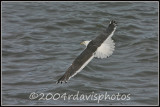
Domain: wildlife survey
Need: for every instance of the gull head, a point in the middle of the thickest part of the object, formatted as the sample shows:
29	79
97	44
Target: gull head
85	42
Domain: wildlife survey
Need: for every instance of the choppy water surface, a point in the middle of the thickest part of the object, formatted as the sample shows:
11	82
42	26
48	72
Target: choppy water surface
41	39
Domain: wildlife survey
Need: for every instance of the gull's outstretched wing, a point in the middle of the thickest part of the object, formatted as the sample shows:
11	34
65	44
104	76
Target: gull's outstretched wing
78	64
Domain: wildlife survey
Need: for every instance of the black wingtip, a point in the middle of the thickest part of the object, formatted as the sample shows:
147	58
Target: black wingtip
113	22
62	79
61	82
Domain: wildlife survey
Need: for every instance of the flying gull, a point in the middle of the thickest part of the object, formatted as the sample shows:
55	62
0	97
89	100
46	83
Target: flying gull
101	47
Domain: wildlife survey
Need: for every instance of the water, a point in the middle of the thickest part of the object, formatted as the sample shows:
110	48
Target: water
41	39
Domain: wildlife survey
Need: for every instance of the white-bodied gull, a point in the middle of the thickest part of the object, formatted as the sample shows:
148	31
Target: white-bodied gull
101	47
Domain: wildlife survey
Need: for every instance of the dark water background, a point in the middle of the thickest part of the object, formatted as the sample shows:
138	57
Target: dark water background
41	39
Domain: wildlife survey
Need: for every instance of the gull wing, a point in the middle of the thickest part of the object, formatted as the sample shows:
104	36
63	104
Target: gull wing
78	64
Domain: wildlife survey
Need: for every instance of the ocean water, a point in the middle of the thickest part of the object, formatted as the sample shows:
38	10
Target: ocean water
41	39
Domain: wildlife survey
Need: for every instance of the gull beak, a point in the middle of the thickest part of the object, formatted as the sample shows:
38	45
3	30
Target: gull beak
82	43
